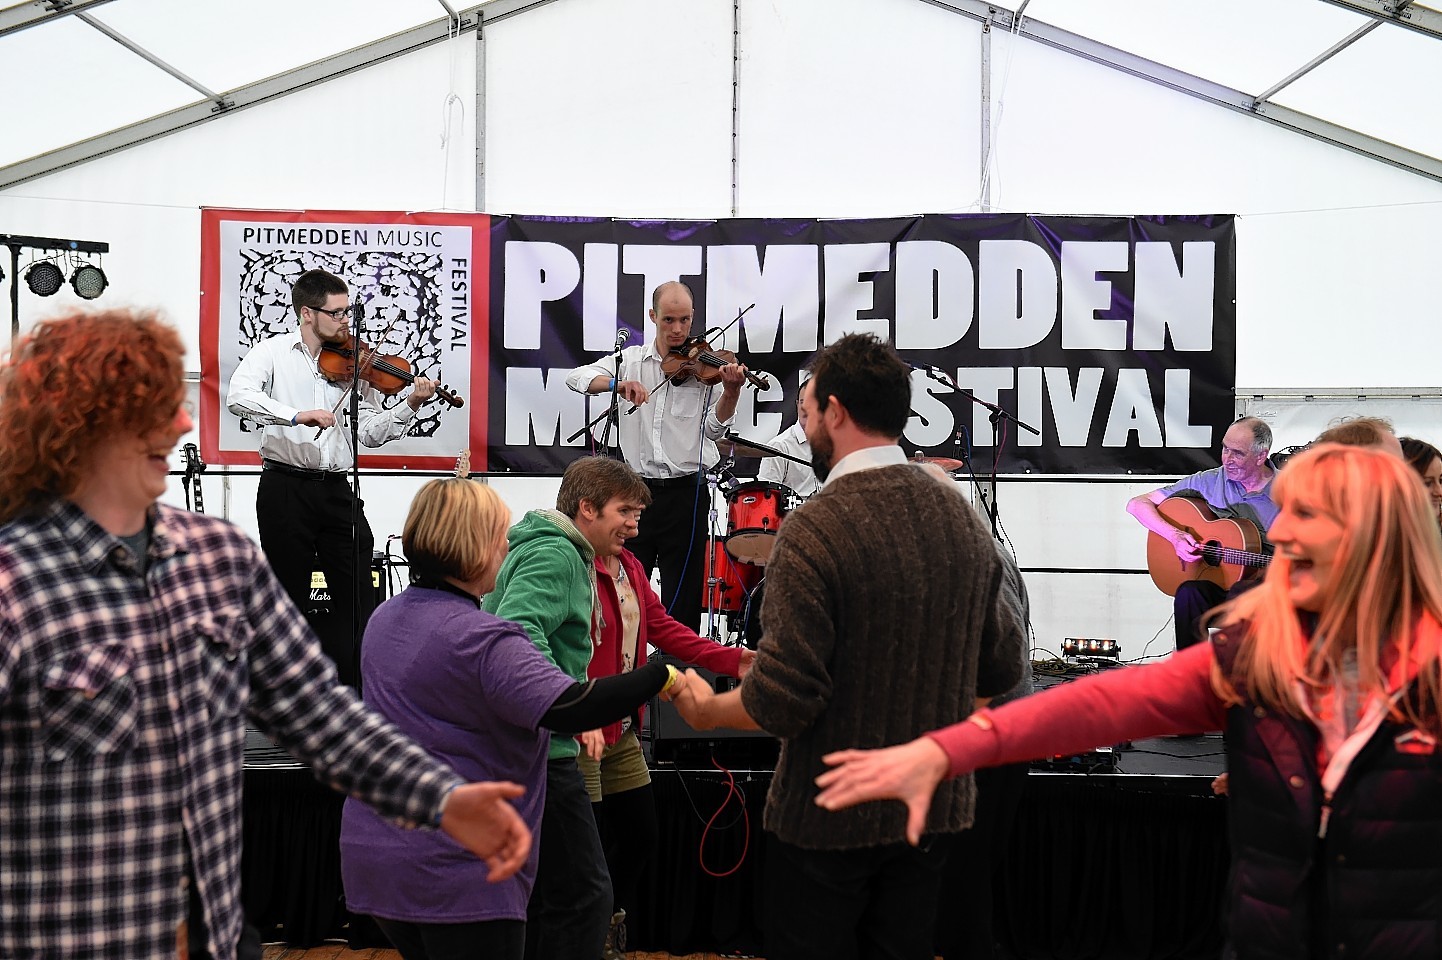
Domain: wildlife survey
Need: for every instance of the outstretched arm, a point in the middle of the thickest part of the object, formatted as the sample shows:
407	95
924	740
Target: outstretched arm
909	773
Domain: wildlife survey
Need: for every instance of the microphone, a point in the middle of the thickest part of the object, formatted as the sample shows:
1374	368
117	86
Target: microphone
931	371
358	309
622	336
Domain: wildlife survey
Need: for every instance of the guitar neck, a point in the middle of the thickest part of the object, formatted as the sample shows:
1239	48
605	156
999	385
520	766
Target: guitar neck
1242	558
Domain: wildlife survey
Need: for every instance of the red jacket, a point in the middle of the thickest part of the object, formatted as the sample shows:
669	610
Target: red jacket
657	629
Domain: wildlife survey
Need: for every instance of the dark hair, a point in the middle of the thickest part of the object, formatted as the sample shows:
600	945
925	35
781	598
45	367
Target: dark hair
1261	433
599	480
1419	453
313	288
868	378
663	287
1358	432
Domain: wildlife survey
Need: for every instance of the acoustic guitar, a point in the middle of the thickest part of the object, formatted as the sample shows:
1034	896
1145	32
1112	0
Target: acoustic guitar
1231	547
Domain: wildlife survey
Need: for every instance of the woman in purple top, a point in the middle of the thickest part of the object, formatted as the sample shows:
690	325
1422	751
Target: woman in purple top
474	691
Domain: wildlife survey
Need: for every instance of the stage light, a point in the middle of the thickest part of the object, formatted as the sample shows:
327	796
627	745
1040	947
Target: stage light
89	281
1089	648
44	278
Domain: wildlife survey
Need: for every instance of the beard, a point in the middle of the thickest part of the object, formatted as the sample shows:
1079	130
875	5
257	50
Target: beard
338	338
823	452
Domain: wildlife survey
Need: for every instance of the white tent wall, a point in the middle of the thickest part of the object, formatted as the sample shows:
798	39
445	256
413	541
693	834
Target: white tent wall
845	108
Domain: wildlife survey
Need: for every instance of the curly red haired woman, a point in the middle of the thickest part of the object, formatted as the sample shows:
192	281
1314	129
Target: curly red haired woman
73	381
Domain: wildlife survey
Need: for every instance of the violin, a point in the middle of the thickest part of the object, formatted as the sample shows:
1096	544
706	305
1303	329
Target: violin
695	358
389	374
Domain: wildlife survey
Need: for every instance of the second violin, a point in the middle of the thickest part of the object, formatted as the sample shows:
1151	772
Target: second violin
695	358
388	373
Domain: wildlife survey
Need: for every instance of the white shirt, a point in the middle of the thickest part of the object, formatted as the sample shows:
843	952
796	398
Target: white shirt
798	476
278	379
674	433
867	458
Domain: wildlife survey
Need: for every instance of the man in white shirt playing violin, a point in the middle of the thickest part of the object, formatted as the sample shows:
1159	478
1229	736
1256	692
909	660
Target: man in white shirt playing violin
669	440
305	508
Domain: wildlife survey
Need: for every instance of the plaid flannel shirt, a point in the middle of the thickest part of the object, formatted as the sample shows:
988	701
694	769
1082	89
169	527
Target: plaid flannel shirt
123	700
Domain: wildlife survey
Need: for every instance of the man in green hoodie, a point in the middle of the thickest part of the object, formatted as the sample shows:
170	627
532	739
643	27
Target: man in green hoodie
547	584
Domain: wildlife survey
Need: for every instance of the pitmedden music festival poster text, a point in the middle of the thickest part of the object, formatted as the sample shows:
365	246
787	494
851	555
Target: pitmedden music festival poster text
1115	336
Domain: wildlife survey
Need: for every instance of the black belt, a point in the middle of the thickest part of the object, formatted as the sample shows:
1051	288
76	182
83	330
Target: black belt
302	472
665	483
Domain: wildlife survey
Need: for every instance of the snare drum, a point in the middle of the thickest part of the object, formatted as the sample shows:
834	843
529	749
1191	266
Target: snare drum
727	582
755	511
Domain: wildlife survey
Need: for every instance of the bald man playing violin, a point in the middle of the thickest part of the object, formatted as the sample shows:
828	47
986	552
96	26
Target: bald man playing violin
669	439
304	505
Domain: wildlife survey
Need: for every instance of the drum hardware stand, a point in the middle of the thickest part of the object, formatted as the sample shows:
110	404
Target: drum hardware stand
733	441
714	579
996	417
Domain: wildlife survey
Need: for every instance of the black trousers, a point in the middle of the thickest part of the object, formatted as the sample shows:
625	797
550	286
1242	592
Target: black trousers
872	903
1194	598
305	525
673	537
570	908
965	922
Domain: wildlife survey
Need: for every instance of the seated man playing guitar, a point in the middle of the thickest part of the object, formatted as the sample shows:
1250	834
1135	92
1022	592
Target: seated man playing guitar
1208	563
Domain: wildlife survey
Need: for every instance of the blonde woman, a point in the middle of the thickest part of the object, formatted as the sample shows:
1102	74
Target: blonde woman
1327	681
473	690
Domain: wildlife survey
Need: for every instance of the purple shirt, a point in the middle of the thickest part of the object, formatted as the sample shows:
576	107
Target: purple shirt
1228	498
471	688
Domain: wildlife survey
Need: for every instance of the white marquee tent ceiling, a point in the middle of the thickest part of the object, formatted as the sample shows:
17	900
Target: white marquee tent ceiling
107	74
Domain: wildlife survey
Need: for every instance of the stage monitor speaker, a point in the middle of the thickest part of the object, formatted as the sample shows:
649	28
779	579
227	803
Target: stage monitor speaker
674	742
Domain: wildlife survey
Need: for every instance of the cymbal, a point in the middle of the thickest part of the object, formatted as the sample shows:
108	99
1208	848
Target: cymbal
945	463
740	447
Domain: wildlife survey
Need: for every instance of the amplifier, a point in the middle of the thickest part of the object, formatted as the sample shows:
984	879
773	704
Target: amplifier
320	597
674	742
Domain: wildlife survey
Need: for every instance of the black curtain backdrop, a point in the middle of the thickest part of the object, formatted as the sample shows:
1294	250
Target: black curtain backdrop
1126	867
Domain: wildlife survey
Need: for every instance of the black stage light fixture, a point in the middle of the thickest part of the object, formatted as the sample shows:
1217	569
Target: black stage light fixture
89	281
44	279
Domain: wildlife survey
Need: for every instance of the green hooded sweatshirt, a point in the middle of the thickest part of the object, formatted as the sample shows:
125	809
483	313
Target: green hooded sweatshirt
547	584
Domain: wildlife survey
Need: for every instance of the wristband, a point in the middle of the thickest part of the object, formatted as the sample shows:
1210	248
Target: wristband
613	384
671	674
294	419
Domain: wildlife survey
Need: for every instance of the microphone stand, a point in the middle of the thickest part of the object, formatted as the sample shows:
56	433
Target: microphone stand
359	319
611	413
996	417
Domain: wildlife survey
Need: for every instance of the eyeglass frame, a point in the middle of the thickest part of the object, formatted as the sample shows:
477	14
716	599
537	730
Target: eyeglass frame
345	312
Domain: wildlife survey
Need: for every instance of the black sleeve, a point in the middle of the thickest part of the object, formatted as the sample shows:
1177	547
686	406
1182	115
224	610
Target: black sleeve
595	703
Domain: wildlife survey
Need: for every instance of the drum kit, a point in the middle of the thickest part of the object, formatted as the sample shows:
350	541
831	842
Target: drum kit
736	560
755	509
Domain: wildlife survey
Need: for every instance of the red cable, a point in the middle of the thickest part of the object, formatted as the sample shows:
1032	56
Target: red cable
731	791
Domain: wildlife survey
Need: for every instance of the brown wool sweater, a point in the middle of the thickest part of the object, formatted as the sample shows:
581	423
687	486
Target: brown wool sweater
881	622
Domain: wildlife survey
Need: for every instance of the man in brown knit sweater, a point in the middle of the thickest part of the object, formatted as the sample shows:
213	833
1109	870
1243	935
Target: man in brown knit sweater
881	620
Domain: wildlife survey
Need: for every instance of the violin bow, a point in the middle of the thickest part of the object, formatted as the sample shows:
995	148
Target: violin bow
365	365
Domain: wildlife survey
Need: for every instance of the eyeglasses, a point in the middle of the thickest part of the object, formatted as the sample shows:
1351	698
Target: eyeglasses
342	313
